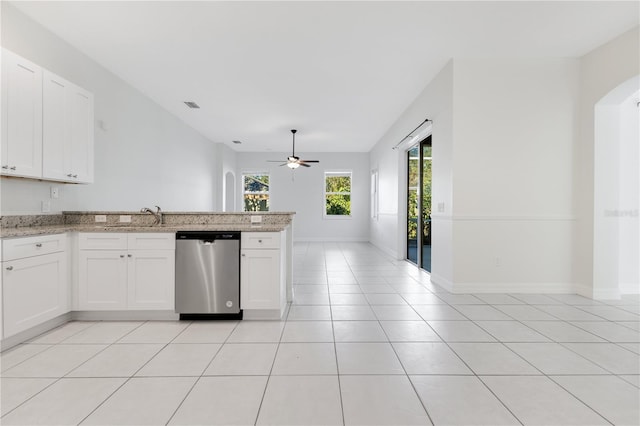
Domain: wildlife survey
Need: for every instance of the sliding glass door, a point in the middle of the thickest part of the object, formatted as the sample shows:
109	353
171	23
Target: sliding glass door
419	204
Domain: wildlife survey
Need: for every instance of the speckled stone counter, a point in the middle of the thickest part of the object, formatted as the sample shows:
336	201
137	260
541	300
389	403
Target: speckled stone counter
20	226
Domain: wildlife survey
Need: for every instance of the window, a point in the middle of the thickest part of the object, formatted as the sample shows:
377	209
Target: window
256	192
374	194
337	194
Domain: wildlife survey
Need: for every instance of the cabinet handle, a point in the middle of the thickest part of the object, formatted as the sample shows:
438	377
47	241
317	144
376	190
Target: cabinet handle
243	255
129	255
9	268
75	176
12	167
259	241
39	245
5	167
122	256
69	175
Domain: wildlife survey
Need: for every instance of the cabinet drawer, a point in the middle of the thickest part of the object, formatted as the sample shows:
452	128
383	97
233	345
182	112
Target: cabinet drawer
257	240
152	241
17	248
102	241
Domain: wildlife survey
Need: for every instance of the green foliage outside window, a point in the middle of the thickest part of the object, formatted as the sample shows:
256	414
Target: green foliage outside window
256	193
414	172
338	194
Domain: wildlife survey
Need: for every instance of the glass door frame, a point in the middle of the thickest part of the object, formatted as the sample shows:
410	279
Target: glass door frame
420	185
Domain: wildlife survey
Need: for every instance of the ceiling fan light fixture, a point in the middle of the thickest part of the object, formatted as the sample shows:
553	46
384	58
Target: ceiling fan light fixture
293	165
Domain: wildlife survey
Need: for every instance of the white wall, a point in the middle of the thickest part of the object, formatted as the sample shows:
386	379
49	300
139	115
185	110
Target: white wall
601	71
389	231
513	131
503	131
145	157
302	192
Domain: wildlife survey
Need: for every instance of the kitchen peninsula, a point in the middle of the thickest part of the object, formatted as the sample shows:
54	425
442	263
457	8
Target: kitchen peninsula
120	266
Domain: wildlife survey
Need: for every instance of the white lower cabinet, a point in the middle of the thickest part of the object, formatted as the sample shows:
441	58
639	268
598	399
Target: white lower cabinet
116	275
103	280
151	279
259	272
262	278
35	286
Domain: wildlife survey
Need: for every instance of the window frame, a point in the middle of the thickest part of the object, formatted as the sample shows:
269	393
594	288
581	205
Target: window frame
244	192
326	174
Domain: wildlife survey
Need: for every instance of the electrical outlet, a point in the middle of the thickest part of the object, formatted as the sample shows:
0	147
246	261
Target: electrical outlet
440	207
498	261
55	192
101	218
125	218
256	219
46	206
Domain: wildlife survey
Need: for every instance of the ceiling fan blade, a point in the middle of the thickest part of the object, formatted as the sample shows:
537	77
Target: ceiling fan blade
274	161
303	165
283	164
309	161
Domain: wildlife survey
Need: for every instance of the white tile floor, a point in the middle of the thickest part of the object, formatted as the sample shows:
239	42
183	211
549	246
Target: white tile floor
367	341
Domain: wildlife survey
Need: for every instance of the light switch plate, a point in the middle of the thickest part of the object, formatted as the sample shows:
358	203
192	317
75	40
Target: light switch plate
101	218
46	206
256	219
125	218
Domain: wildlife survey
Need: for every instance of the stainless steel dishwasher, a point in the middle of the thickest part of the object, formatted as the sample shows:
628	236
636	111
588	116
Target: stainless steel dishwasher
208	275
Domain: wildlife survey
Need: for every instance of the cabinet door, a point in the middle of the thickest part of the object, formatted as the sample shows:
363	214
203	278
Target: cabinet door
102	280
151	278
21	117
81	134
260	279
56	146
35	289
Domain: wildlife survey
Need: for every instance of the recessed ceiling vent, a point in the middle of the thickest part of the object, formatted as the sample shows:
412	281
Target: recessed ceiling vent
192	105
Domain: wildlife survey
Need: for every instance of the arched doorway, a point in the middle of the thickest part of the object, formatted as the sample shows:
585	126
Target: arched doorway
616	230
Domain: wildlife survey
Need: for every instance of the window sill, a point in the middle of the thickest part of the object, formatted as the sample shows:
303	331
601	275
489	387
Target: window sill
336	217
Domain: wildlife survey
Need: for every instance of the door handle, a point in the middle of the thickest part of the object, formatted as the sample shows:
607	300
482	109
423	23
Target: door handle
39	245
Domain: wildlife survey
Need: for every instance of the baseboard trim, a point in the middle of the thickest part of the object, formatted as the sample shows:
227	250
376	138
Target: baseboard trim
331	240
525	288
32	332
442	282
607	294
629	288
124	316
387	251
264	314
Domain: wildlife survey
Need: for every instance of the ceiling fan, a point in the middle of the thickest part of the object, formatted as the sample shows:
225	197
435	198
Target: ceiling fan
294	162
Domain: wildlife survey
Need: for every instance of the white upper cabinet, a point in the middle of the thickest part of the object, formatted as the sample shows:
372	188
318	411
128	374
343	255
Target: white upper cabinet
55	119
67	142
80	105
47	124
21	117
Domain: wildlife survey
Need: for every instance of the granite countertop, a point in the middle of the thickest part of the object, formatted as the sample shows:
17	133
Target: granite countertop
25	231
26	225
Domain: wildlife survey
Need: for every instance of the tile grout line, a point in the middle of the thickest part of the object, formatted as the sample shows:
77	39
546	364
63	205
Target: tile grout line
201	374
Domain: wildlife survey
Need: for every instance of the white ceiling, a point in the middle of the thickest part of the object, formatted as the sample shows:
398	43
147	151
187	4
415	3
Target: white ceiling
339	72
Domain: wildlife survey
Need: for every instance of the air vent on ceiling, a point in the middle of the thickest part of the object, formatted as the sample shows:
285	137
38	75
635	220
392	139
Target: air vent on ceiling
192	104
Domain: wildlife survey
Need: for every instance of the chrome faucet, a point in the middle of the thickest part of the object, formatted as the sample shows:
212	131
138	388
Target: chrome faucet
157	215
